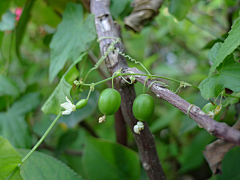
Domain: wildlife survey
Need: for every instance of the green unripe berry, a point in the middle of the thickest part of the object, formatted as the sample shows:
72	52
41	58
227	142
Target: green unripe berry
109	101
81	104
143	107
208	107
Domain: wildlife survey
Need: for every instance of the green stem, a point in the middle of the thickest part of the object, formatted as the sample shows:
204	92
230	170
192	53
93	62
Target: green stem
42	138
229	95
89	93
205	29
36	146
127	74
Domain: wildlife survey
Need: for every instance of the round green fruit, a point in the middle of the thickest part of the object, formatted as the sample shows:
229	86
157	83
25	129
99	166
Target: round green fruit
208	107
81	104
109	101
143	107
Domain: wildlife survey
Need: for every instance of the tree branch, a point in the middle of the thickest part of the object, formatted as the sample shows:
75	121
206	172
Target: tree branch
145	141
220	130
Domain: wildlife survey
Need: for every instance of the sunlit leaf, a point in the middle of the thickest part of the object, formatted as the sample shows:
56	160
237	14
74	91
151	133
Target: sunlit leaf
228	77
71	39
229	45
9	160
104	159
43	167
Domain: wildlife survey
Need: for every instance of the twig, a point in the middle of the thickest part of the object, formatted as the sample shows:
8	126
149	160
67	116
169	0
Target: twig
220	130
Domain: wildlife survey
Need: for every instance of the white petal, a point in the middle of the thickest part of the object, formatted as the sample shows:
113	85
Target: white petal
135	129
66	105
68	100
66	112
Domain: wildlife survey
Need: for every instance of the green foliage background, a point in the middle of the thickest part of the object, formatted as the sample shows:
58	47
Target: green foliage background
44	52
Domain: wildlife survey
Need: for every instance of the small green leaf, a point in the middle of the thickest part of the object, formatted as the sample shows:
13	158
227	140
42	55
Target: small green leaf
4	6
229	45
8	22
228	77
52	105
212	54
12	123
108	160
43	167
22	24
8	87
71	39
9	160
179	8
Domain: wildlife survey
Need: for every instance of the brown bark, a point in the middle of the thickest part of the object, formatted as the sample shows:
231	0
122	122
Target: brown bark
145	141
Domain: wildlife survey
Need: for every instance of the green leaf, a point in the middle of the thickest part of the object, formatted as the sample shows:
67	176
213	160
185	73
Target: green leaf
179	8
4	6
12	123
228	77
22	24
80	114
52	105
230	165
192	156
43	167
8	87
9	160
212	54
71	39
8	22
229	45
108	160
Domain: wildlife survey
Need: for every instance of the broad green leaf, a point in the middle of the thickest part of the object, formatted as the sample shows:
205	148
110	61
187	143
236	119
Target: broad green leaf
8	21
43	167
52	105
71	39
192	156
229	45
231	165
12	123
4	6
228	77
214	51
22	24
80	114
179	8
8	87
9	160
108	160
59	5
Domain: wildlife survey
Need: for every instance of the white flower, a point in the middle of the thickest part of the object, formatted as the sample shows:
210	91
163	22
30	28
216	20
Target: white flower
68	106
138	127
